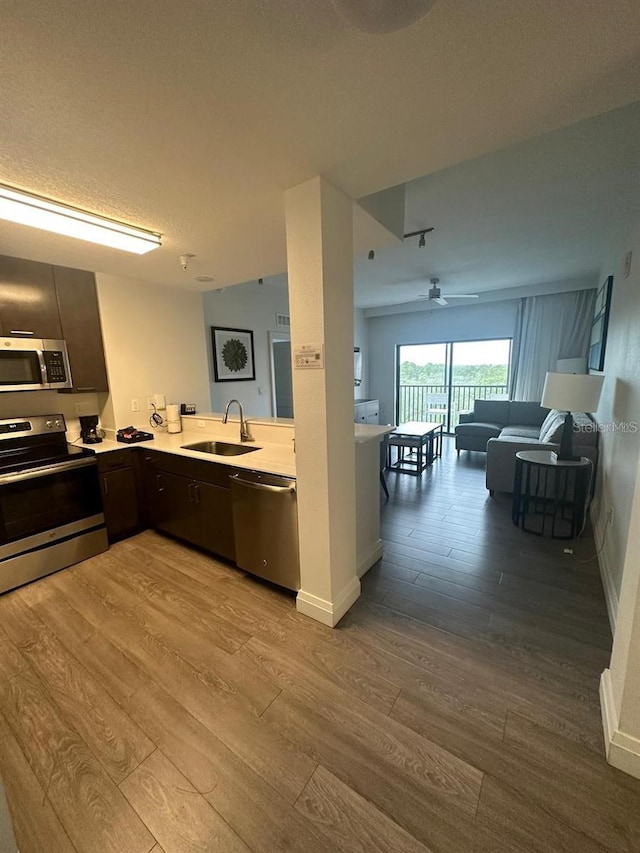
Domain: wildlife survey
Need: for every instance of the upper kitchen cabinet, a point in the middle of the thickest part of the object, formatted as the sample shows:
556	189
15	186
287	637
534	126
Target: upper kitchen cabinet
28	304
80	321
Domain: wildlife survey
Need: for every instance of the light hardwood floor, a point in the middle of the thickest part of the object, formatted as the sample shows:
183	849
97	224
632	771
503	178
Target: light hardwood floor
155	699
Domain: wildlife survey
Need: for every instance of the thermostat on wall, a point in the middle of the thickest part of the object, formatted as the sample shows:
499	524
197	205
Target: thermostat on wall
309	356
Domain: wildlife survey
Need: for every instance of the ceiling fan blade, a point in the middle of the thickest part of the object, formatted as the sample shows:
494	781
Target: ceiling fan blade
462	296
440	300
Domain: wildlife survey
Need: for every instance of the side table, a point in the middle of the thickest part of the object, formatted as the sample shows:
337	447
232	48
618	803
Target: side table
423	439
549	490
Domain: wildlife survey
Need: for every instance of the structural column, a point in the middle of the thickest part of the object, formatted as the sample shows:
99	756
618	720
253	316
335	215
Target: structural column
319	224
620	684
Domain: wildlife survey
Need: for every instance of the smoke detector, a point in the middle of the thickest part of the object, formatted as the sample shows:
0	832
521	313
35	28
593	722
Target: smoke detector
183	260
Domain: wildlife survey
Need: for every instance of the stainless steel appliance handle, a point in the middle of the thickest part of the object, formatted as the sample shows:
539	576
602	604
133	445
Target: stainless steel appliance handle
262	487
46	470
21	332
43	367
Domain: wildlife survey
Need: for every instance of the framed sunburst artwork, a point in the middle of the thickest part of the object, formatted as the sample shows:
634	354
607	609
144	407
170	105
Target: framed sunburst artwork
233	359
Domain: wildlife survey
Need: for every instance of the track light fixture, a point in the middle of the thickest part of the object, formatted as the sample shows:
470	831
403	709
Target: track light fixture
421	233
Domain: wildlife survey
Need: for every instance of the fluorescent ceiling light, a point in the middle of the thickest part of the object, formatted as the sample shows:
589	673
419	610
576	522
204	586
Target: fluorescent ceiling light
27	209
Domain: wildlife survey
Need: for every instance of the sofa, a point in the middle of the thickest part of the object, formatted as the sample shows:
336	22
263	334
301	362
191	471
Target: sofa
501	428
490	418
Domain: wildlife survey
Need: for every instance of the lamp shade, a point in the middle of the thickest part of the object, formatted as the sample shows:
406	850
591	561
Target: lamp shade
572	392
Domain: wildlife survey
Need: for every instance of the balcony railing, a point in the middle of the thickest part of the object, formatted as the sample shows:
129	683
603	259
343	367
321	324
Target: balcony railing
416	403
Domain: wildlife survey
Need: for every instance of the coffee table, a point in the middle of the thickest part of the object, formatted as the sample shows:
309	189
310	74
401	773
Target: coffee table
423	439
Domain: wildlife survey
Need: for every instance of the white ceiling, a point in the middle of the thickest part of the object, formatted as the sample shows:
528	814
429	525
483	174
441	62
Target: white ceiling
539	211
191	117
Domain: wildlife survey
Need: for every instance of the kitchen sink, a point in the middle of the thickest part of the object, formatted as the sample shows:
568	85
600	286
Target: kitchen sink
219	448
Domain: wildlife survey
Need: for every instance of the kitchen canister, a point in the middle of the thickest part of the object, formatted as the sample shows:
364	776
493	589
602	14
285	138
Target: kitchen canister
174	423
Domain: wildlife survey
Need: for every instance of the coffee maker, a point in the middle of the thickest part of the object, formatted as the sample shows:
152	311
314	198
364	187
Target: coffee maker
89	429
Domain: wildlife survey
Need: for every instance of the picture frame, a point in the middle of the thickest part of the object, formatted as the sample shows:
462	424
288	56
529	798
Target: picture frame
233	354
600	325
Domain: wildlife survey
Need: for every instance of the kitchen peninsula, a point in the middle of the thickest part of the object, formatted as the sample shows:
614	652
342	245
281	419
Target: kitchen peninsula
272	451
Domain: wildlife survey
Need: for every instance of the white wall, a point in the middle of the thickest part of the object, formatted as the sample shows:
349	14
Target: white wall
154	342
620	403
18	403
490	320
253	306
246	306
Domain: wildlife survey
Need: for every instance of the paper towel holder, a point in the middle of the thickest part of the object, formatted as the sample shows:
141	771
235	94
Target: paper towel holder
174	424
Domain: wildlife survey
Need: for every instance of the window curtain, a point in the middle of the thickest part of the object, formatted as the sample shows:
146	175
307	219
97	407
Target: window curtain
548	328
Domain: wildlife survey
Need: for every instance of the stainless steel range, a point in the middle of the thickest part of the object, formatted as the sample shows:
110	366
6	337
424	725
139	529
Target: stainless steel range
50	505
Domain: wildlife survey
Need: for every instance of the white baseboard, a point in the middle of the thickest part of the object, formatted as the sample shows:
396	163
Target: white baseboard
623	750
328	612
370	559
607	708
610	592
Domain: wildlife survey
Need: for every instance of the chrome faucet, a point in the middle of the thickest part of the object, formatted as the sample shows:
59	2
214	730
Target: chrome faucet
244	430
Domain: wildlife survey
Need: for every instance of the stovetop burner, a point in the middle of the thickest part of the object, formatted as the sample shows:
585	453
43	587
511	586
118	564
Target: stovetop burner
33	442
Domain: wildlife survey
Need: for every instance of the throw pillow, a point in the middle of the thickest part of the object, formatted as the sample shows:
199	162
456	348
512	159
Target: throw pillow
548	422
551	431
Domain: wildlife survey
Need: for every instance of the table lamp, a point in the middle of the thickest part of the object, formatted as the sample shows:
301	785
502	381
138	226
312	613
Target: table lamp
571	392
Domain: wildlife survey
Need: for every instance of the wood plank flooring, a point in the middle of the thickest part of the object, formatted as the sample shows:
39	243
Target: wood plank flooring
154	699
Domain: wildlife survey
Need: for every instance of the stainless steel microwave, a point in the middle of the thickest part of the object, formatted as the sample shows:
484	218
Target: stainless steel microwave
28	364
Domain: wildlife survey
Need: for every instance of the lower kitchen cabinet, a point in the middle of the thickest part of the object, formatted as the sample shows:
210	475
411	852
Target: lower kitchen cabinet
119	495
178	502
173	505
147	486
214	528
367	412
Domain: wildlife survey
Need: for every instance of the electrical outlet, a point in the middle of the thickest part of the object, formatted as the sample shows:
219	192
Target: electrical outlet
135	405
150	403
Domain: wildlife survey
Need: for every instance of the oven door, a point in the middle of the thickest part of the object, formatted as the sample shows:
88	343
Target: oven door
44	505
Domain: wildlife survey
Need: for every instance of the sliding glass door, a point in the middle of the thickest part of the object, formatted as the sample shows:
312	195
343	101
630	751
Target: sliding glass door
435	382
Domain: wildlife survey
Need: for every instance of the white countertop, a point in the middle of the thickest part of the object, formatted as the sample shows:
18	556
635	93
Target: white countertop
270	457
371	432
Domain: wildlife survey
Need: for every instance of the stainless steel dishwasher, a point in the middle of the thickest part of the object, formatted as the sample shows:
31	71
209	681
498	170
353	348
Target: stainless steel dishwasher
265	523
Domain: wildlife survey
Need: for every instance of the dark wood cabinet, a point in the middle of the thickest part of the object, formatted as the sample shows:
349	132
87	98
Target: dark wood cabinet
190	500
119	494
80	324
28	304
213	528
148	502
176	510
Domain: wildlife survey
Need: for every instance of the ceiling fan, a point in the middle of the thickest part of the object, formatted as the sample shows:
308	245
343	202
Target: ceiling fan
435	294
